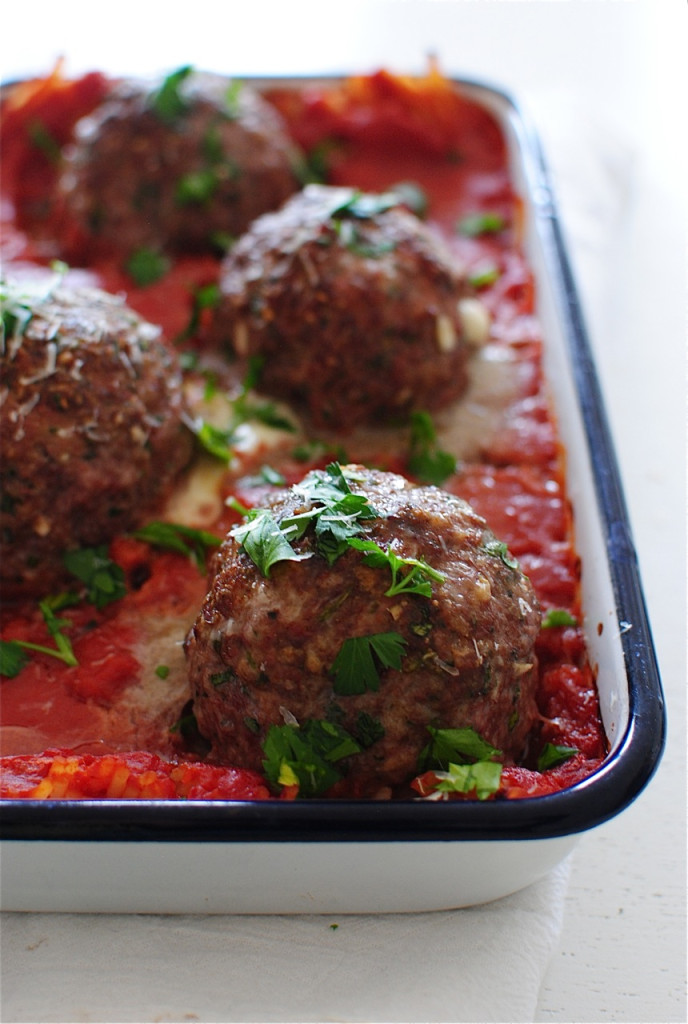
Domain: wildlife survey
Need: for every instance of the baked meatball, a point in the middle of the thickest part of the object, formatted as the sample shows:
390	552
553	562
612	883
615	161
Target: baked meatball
351	304
92	431
179	165
291	642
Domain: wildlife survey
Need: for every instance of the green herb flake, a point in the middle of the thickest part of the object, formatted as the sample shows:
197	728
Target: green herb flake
552	755
483	778
187	540
232	105
475	224
458	746
162	671
427	462
146	266
556	617
368	729
355	669
484	276
104	579
44	141
498	549
196	187
14	654
13	658
168	102
263	540
409	575
305	755
216	441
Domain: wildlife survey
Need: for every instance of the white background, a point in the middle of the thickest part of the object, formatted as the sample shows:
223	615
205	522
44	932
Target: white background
605	83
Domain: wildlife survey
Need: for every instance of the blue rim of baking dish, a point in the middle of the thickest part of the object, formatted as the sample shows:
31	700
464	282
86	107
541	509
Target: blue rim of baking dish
581	807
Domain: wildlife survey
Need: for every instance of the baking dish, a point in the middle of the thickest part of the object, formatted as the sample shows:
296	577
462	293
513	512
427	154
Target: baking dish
358	856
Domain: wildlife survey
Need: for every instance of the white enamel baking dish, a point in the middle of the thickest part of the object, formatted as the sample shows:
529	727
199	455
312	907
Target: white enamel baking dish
348	857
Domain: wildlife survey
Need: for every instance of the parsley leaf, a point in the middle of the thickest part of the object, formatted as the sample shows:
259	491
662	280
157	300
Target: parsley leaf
185	539
13	658
146	266
355	669
104	579
426	460
484	275
304	755
558	617
455	745
474	224
463	762
483	777
167	101
498	549
13	653
417	580
264	540
552	755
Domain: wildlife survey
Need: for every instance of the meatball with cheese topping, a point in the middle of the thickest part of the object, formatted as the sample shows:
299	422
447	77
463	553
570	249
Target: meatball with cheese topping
92	429
361	607
179	165
351	304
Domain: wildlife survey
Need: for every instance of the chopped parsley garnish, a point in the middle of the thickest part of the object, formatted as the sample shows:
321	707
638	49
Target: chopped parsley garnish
44	141
368	729
313	167
18	300
485	275
409	575
218	441
498	549
196	186
14	653
232	107
168	101
457	745
305	755
146	266
162	671
313	450
104	579
463	762
483	778
355	669
203	297
334	512
558	617
426	460
264	540
411	195
487	223
552	755
13	657
214	440
187	540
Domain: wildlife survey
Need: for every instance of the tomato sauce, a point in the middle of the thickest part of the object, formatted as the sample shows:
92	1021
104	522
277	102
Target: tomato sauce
372	132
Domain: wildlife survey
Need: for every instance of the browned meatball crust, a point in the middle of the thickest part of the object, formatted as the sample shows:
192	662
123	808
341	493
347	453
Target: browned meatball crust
350	302
92	431
264	649
180	165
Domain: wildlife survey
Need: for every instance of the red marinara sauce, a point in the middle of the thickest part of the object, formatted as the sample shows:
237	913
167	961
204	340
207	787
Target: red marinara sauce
65	733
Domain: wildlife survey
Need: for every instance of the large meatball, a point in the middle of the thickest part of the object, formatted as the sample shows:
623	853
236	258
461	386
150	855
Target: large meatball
92	431
352	305
290	642
181	165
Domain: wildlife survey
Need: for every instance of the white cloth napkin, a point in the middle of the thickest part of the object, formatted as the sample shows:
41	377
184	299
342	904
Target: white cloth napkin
478	964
